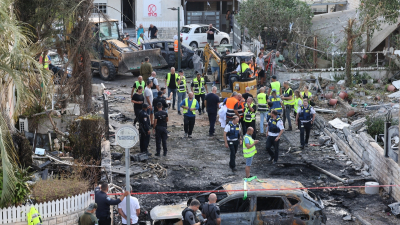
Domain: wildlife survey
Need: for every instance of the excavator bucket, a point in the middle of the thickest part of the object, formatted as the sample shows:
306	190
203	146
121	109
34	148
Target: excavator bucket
132	60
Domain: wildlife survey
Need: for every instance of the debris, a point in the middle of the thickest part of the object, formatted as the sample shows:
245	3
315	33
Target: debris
341	82
324	110
139	157
338	124
323	139
44	164
394	95
335	147
348	163
347	218
116	155
365	173
343	95
333	101
133	170
351	113
376	107
157	169
39	151
319	182
395	207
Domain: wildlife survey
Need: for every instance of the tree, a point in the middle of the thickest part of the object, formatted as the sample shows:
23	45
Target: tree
371	15
289	19
18	68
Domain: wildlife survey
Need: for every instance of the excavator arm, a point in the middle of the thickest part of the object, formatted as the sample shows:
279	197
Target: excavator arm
208	53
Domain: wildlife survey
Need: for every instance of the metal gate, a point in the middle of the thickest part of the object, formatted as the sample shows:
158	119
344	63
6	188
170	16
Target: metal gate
204	17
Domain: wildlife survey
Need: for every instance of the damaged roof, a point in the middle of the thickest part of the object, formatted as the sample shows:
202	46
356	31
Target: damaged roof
267	184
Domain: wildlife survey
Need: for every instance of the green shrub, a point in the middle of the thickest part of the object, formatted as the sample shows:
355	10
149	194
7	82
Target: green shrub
376	125
21	188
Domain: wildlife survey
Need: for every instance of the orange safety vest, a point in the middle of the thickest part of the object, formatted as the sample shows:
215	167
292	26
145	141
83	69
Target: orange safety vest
230	105
254	71
176	46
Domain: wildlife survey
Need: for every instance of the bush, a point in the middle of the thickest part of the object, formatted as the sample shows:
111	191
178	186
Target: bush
53	189
376	125
21	188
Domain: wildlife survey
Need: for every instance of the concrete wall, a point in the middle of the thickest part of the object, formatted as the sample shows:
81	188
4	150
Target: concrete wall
166	14
363	149
353	4
113	8
375	74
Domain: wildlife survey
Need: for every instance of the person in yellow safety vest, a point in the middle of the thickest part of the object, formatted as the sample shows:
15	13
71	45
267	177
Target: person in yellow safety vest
141	41
181	84
170	82
249	149
139	82
288	102
189	105
262	108
306	94
34	217
298	102
275	85
249	117
199	88
47	60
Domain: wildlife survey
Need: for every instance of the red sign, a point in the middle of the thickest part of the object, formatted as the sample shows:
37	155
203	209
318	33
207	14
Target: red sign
152	10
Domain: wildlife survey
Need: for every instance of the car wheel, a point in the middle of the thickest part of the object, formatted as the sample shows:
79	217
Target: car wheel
107	70
224	41
193	44
190	64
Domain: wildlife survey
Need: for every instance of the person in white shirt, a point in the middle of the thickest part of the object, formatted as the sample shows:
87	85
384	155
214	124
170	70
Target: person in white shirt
134	208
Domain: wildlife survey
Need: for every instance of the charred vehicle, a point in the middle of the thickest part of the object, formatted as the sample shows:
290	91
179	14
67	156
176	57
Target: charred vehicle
167	51
260	207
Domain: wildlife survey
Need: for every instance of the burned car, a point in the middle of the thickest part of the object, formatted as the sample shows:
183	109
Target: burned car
260	207
167	51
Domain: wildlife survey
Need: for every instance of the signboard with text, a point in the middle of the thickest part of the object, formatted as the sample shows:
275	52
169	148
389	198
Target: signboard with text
127	136
152	8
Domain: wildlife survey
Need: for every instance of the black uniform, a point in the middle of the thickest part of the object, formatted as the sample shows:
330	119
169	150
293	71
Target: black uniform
189	217
161	131
212	213
103	206
144	128
157	100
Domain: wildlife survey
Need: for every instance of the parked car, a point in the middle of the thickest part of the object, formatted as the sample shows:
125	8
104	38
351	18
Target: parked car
195	35
260	207
167	51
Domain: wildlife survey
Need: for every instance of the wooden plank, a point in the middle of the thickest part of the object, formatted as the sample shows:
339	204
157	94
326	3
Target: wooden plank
324	110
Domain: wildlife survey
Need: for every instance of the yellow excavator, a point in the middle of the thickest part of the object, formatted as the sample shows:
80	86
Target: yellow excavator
227	64
115	55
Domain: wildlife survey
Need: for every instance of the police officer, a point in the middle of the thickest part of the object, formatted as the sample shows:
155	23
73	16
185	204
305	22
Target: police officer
306	114
104	202
249	117
232	139
274	132
211	211
160	127
189	213
144	129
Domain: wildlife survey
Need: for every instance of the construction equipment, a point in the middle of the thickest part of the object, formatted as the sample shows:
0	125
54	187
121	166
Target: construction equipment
227	64
116	55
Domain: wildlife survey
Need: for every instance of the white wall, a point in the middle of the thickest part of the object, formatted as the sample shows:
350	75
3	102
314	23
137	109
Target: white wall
113	9
353	4
168	18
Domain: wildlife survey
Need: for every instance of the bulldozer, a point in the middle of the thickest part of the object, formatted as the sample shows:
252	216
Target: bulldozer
115	55
227	64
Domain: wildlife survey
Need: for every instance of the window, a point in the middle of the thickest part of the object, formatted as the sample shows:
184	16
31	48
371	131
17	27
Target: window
293	201
185	30
204	29
171	46
270	203
100	8
109	30
198	30
157	45
235	205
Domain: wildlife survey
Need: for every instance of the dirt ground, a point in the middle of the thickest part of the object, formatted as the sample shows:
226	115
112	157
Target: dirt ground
201	163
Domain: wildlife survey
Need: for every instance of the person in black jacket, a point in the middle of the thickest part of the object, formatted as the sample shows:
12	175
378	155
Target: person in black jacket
160	99
160	127
144	129
104	202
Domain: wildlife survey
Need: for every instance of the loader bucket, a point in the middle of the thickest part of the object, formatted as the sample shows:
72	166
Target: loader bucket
131	61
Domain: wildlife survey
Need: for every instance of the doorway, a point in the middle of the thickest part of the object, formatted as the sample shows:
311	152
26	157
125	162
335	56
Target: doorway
128	17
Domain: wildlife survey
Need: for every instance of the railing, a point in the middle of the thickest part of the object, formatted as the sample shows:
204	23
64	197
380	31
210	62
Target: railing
159	24
48	209
324	2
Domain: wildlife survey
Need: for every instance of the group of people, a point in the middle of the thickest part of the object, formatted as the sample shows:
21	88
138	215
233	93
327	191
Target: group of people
275	107
98	213
140	35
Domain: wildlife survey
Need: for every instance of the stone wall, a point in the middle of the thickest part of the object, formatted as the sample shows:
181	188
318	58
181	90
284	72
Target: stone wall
363	150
